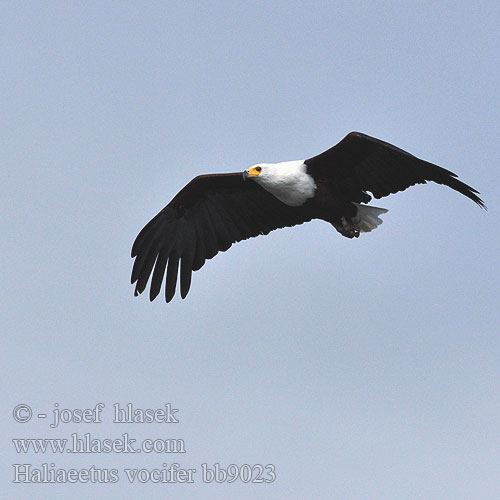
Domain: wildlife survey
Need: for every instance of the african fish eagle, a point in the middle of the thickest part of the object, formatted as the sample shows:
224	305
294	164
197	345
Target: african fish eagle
216	210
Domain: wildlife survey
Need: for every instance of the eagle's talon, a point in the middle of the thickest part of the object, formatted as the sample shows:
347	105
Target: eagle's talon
349	229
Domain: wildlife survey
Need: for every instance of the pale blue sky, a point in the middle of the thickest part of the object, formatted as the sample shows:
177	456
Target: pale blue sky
365	369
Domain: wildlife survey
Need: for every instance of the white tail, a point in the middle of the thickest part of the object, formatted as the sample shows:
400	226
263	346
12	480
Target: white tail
367	217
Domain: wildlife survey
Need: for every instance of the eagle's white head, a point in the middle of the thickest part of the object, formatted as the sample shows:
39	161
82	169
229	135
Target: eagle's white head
288	180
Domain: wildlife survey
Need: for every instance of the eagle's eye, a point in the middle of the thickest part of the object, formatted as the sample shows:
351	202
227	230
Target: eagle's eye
258	169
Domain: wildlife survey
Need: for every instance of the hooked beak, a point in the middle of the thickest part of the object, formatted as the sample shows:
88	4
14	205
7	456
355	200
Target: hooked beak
251	173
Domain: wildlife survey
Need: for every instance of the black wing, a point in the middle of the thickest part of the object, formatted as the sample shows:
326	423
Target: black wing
360	163
207	216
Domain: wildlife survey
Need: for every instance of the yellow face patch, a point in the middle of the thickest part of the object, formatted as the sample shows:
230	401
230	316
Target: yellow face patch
254	171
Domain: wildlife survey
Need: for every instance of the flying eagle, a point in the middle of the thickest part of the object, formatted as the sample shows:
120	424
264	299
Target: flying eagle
216	210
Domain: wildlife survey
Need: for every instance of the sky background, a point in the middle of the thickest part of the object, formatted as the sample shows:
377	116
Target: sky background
366	369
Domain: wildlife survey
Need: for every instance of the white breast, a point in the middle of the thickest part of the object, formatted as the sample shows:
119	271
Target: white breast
288	181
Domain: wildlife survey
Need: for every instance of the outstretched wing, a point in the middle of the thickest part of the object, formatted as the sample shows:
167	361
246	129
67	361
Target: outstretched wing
360	163
206	217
